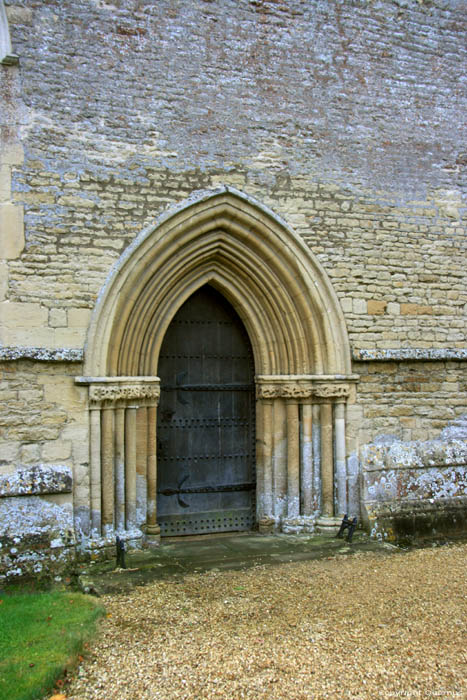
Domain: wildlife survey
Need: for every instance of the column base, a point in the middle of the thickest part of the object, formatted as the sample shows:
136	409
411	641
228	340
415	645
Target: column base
303	524
153	535
266	526
328	526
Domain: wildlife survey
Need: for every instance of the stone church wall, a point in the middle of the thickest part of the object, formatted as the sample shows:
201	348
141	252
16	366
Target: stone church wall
344	118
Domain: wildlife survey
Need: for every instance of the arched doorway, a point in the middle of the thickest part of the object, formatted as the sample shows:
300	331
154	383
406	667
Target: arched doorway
303	381
205	425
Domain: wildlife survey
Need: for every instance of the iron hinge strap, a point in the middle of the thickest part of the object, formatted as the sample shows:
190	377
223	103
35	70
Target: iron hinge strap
247	486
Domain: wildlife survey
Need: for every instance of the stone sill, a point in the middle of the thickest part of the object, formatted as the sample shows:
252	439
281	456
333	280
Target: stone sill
37	480
19	352
401	354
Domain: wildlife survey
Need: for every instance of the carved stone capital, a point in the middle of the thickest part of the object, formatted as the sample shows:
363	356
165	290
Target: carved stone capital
121	391
331	391
283	391
300	387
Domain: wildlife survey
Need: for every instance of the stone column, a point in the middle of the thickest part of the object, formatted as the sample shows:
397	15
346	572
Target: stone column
293	459
153	530
114	403
316	438
260	510
95	469
130	468
266	522
141	465
327	470
280	459
328	394
307	458
119	469
303	467
107	460
341	476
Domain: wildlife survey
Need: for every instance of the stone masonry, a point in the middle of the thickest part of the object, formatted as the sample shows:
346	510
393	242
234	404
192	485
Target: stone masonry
341	117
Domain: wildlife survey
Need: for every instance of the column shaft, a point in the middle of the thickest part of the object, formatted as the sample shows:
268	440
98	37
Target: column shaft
152	526
107	458
341	475
120	468
130	468
293	459
141	465
316	438
280	459
307	458
259	461
327	471
267	458
95	470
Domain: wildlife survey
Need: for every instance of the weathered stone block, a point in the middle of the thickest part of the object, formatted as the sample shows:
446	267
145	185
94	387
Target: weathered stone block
14	315
375	307
37	538
55	451
57	318
37	480
11	231
3	280
417	488
12	153
5	183
79	318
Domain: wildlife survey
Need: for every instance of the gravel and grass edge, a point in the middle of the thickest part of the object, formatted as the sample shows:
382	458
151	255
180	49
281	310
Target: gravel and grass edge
42	635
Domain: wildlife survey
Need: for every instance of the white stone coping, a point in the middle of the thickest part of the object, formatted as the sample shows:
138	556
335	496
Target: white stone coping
35	480
10	353
401	354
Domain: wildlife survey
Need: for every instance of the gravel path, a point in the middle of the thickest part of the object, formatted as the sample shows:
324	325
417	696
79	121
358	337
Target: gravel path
362	626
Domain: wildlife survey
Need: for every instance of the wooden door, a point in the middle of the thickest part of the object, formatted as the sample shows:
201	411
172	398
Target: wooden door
206	439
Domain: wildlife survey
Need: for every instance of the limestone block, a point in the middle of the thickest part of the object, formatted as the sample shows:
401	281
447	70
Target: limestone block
57	318
37	480
393	308
12	154
36	537
19	15
26	337
415	309
57	450
5	183
11	231
359	306
29	454
346	304
375	307
3	279
62	391
79	318
78	434
23	315
80	202
69	337
449	202
9	456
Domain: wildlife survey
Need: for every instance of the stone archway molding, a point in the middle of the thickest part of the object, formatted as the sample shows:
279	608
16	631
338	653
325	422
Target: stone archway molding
302	358
229	240
7	57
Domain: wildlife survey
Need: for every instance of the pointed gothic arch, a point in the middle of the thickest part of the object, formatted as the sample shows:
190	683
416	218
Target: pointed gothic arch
300	345
252	257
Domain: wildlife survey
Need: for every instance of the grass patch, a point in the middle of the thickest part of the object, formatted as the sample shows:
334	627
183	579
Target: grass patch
41	635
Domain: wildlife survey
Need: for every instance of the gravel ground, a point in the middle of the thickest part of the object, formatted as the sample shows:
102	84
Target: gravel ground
361	626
